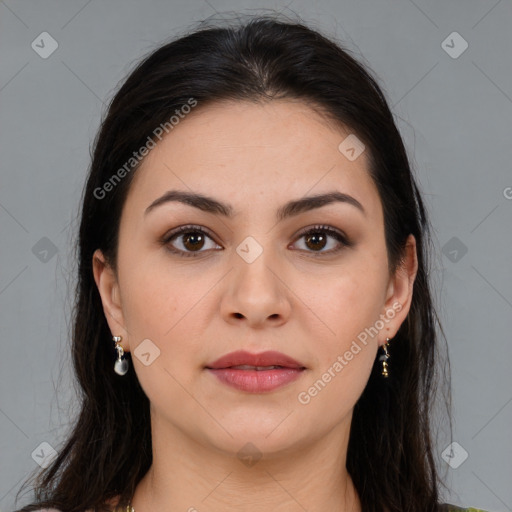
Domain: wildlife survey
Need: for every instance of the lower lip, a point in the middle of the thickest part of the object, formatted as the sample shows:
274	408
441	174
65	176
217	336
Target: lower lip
256	381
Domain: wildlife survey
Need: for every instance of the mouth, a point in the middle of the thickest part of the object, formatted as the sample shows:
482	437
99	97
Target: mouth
243	360
257	368
256	373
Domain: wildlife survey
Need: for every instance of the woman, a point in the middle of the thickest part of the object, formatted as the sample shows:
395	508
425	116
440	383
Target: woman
254	325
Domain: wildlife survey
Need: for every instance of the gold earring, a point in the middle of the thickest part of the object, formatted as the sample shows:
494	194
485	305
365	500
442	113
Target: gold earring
384	358
121	364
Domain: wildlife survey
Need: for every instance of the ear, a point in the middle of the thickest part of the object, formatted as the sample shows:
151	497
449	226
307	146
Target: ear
108	287
399	292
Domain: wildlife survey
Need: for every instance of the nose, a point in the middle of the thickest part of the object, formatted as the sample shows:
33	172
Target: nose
256	293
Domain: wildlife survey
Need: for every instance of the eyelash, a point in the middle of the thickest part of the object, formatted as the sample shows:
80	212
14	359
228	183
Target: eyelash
342	239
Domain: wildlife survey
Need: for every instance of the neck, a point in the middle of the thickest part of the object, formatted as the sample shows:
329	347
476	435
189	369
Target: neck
188	476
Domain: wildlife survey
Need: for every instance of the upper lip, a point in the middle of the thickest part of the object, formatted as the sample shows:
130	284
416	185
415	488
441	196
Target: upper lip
268	358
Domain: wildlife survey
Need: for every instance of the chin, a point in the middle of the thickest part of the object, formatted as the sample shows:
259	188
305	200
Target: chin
258	440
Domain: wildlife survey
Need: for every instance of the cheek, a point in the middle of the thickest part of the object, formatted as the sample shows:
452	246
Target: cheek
345	348
165	306
347	301
150	305
160	307
346	309
154	293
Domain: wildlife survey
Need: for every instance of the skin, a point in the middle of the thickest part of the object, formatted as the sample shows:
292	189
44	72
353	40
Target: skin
292	298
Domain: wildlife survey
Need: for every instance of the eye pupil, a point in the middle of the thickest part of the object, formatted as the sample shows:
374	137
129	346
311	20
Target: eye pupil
316	237
197	240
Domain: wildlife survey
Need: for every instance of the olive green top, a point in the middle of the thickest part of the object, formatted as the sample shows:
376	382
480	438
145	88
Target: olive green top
454	508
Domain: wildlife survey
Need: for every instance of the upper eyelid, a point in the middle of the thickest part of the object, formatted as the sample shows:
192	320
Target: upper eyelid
187	228
319	227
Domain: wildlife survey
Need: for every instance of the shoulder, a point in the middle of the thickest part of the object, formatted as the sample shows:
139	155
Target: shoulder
53	510
112	503
454	508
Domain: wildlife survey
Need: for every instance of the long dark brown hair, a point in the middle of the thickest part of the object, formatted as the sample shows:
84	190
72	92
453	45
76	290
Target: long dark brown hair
391	448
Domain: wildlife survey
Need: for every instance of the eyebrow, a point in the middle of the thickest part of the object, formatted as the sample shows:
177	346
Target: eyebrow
290	209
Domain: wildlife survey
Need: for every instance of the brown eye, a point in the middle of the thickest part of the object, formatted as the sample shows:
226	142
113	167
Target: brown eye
193	240
189	241
318	238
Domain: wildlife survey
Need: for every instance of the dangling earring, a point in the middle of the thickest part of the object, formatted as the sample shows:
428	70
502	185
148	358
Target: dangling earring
121	364
384	358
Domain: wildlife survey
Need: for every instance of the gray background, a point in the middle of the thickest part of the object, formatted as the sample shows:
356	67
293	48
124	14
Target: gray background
455	116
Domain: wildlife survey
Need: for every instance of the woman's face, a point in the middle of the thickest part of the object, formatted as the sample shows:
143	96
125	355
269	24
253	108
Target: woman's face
251	280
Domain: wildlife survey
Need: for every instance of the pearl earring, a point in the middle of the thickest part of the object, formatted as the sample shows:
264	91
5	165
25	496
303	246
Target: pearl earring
121	364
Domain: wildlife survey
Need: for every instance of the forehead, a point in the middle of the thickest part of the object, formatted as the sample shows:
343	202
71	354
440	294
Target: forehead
239	151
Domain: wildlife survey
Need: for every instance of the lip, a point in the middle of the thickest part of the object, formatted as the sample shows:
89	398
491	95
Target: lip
268	358
252	380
